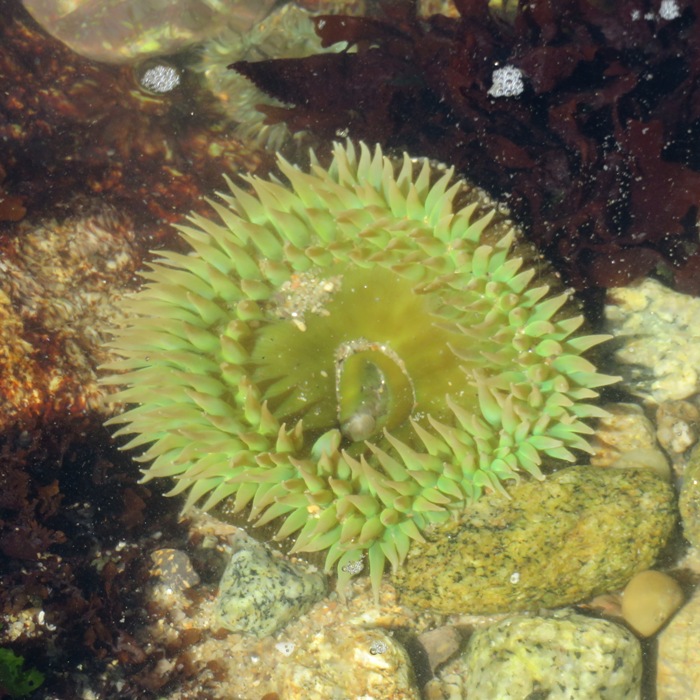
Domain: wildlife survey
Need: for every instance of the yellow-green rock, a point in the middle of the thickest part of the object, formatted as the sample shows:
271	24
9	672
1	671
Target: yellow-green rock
559	655
690	499
580	532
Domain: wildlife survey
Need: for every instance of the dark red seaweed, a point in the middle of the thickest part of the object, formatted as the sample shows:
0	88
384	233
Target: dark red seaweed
598	156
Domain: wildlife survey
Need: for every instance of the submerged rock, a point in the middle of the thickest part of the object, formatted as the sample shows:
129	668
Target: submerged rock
678	423
649	600
525	657
347	662
659	328
678	675
260	593
626	439
689	502
580	532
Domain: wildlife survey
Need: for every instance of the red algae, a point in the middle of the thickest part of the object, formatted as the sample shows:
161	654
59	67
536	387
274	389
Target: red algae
596	152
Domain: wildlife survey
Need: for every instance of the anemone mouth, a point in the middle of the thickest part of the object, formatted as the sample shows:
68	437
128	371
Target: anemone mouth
352	354
374	391
360	350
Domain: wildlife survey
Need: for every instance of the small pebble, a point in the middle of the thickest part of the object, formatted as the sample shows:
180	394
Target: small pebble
440	644
649	600
174	569
677	425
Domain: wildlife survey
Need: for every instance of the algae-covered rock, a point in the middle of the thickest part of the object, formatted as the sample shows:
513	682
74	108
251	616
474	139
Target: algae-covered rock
563	655
580	532
689	501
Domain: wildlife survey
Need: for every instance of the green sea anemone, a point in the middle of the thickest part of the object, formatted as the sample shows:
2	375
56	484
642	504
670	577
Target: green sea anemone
356	353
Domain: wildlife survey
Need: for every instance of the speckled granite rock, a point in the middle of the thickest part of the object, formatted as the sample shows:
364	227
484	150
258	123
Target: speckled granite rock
660	328
560	657
580	532
678	665
689	502
347	662
260	593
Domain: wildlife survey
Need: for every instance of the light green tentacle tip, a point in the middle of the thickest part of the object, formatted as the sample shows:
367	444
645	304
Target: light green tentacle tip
355	353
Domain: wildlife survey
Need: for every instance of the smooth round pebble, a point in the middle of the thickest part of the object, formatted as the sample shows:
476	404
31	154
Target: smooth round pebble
649	600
